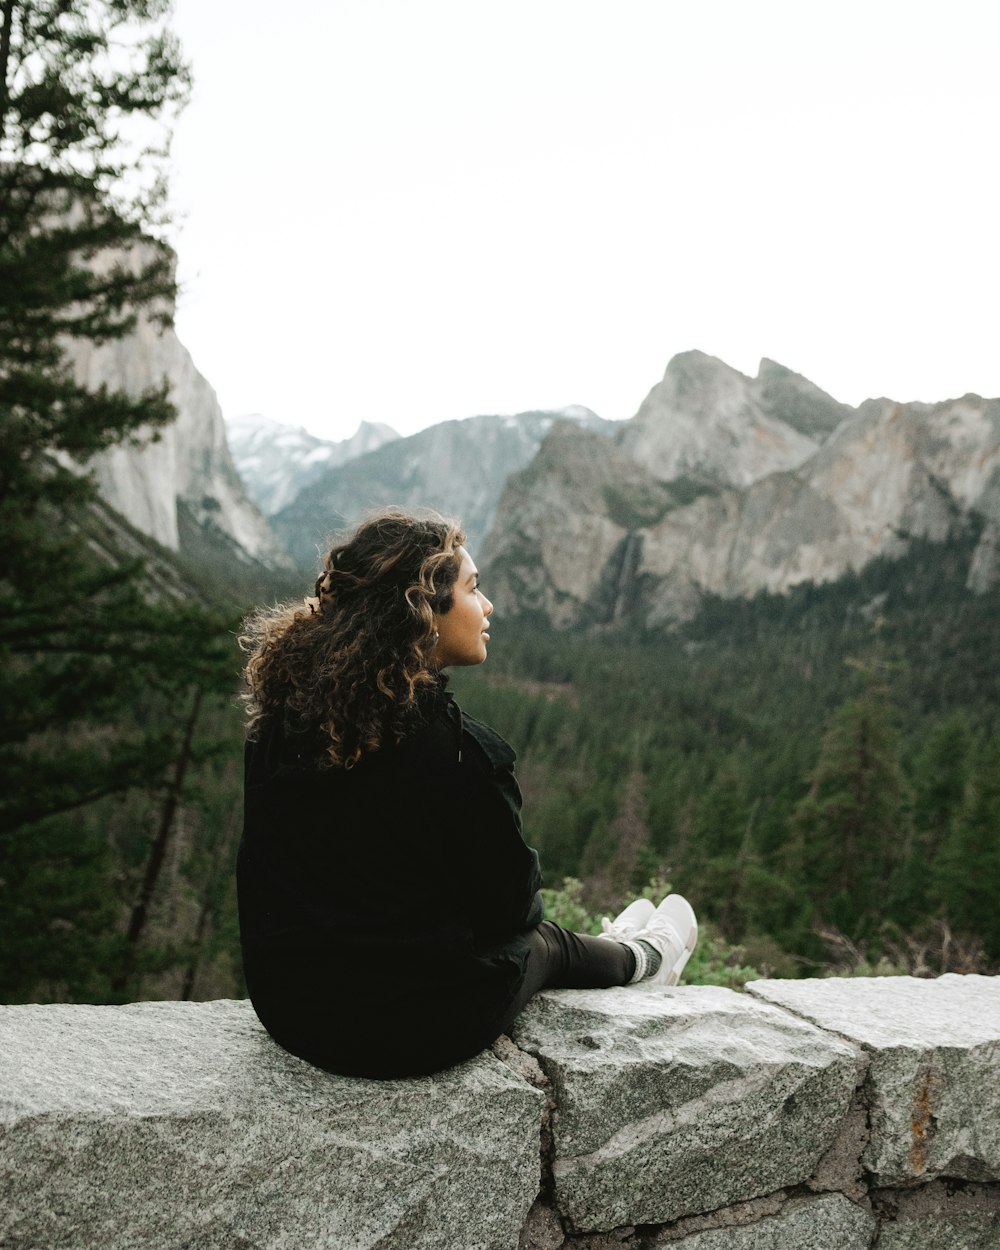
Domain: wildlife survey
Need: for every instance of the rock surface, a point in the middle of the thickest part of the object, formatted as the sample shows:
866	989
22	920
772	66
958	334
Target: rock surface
769	483
173	1124
932	1087
671	1102
707	420
583	556
831	1222
189	462
941	1215
632	1119
966	1230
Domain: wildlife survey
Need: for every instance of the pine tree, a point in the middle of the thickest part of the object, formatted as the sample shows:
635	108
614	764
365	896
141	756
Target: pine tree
967	870
100	658
940	778
848	832
722	844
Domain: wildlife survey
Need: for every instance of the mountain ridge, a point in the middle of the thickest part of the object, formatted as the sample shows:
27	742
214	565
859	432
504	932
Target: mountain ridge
279	461
456	467
766	516
721	484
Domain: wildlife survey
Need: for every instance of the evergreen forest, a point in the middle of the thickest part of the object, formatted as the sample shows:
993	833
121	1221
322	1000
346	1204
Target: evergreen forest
819	773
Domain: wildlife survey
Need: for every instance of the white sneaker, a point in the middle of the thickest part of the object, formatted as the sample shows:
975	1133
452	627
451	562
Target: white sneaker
673	931
627	924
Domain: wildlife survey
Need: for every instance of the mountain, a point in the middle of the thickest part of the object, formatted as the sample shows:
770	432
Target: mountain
561	536
796	401
278	461
707	421
741	485
188	470
892	473
456	467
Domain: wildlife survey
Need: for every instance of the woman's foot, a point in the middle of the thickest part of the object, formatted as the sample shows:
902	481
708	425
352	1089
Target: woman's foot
672	930
627	924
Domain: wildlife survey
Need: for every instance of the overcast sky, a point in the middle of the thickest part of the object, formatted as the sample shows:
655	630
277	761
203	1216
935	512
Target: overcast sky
413	210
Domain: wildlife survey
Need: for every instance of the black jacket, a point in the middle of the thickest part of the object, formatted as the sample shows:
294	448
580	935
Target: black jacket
385	909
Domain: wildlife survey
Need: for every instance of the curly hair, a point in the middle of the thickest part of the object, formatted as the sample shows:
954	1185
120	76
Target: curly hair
353	663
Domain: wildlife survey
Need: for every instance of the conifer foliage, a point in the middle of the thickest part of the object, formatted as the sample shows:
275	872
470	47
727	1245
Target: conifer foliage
101	660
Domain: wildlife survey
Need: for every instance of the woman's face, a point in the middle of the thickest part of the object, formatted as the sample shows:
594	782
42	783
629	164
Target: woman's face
462	630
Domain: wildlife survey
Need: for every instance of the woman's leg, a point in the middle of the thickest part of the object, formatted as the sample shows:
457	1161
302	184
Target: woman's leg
559	959
576	961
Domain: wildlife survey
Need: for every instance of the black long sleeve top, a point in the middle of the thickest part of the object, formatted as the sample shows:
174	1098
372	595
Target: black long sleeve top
385	909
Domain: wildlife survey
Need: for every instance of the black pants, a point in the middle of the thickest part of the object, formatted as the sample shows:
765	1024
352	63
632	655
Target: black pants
357	1039
561	960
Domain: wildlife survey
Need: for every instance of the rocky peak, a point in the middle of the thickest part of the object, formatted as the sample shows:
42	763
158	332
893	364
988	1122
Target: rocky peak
891	473
791	398
701	382
682	504
709	421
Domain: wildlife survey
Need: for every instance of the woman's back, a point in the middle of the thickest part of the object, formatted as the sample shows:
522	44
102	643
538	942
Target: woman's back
413	860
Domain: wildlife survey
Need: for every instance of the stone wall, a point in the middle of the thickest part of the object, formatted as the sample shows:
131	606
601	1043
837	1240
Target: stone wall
821	1115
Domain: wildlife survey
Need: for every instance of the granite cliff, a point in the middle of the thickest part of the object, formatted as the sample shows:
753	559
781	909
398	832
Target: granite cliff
184	484
707	421
721	484
728	485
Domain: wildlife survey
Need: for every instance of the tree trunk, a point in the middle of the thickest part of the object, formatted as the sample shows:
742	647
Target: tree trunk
222	846
158	851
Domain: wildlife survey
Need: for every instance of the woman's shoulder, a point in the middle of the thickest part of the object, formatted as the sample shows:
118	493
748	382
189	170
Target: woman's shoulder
436	737
273	751
497	750
447	734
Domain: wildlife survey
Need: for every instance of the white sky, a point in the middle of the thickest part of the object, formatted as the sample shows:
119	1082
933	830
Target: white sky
414	210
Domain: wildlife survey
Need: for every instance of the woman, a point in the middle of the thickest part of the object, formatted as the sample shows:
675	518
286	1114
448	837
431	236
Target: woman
389	910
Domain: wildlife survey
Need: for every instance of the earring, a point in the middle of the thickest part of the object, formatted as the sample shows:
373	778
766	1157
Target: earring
434	638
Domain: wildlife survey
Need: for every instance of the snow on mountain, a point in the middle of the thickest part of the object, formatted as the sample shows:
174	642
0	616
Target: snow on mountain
277	461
